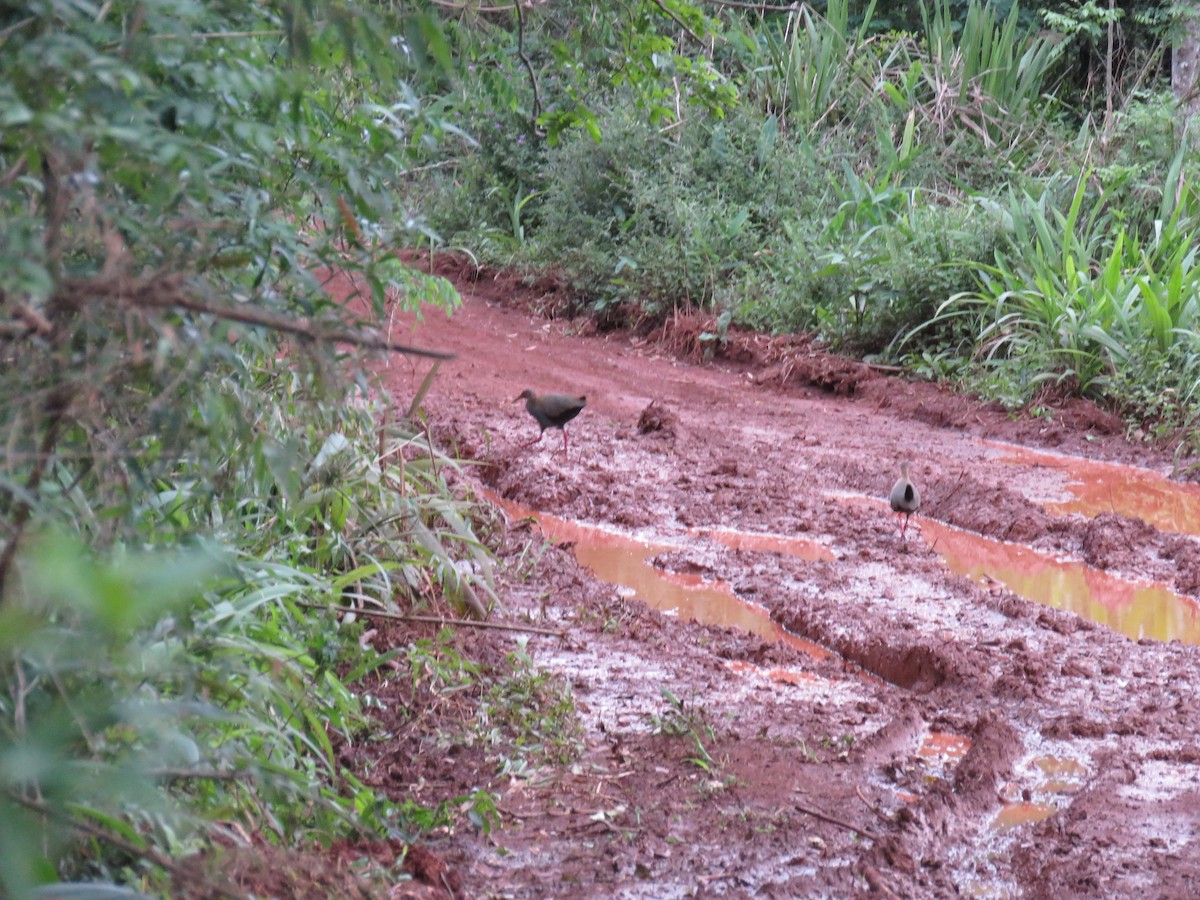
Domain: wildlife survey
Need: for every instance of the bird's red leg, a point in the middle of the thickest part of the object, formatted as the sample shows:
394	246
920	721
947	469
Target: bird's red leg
535	440
565	452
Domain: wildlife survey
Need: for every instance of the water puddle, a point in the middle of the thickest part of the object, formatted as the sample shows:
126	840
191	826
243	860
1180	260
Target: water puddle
938	755
1062	775
1136	609
778	676
813	551
1023	812
1056	780
625	561
1100	487
943	749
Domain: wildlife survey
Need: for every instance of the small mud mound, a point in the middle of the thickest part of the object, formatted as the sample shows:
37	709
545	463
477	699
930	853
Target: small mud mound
434	877
1112	541
782	360
933	404
545	293
1186	554
995	744
829	372
1077	415
1071	423
656	418
986	509
258	869
539	493
699	337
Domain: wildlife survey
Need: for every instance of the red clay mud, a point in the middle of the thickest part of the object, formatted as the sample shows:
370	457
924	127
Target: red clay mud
818	785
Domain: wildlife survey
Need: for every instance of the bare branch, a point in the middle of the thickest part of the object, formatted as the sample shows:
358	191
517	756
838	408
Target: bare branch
436	620
674	18
94	831
537	99
165	292
825	817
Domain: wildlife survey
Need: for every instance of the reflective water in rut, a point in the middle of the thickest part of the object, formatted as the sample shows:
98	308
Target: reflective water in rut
1053	781
813	551
1022	812
1100	487
1137	609
624	560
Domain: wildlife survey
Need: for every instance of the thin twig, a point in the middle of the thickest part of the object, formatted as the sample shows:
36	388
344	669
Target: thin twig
478	10
537	98
16	26
205	774
210	35
678	21
436	620
825	817
292	326
97	832
755	7
56	407
872	807
14	172
429	167
958	484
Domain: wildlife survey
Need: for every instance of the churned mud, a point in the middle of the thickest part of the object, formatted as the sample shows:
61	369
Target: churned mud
779	696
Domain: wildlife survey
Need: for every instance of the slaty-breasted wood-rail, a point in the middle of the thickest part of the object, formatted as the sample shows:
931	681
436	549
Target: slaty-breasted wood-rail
551	411
905	497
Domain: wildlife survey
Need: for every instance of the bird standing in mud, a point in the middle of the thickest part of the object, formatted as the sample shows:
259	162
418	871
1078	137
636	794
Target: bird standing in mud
905	497
551	411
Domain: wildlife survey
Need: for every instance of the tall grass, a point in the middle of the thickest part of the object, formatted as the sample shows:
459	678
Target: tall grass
811	66
984	73
1076	300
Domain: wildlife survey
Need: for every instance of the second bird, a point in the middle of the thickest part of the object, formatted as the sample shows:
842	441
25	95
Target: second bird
551	411
905	497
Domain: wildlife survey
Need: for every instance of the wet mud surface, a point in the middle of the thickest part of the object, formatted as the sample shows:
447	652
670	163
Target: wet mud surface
1001	705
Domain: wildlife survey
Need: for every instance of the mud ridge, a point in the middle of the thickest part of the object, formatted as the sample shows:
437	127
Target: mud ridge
907	862
919	666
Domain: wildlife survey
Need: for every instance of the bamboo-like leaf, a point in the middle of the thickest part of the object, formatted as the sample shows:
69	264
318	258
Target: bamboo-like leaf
426	384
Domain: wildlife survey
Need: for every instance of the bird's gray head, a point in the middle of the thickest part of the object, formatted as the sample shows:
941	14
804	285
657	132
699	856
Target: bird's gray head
526	394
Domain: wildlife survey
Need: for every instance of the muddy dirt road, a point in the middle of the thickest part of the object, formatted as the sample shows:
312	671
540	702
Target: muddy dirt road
1002	705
